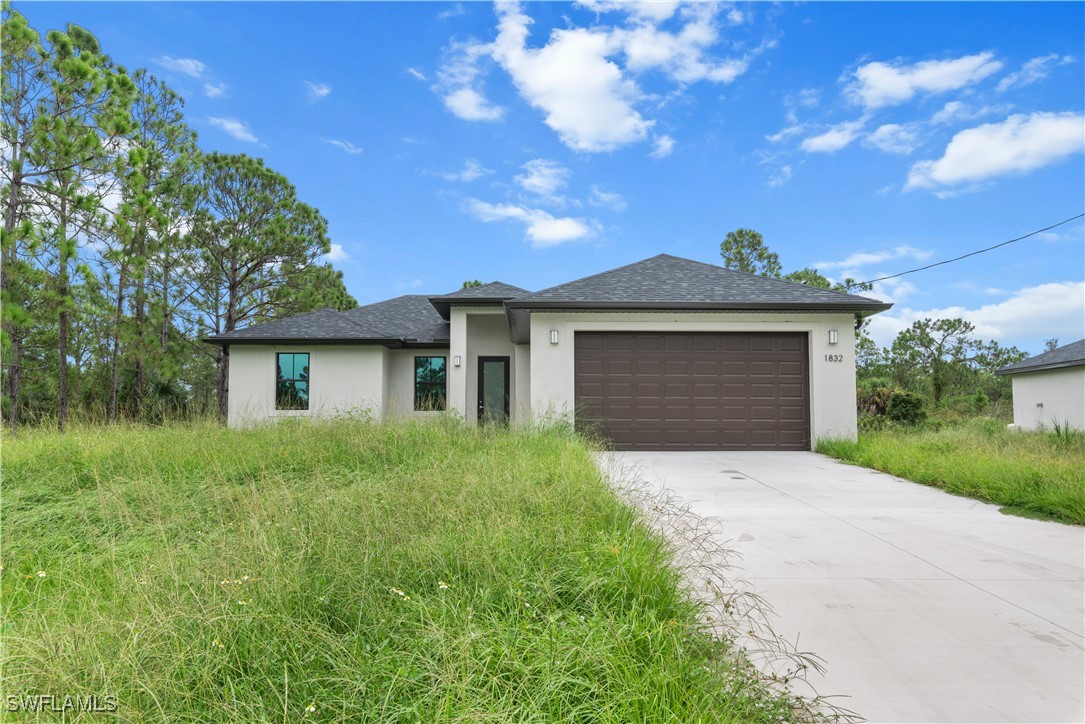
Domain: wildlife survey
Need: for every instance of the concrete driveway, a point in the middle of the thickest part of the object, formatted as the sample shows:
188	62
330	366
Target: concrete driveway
926	607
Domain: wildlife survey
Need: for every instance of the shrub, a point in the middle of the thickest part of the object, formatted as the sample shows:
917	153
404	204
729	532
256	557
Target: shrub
873	395
906	407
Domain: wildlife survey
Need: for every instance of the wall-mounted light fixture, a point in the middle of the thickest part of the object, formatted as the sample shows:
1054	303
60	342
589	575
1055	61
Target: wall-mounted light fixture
832	336
553	336
457	360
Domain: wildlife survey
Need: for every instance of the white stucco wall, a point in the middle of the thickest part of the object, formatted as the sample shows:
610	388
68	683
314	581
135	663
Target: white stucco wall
343	380
481	332
400	374
832	384
1046	397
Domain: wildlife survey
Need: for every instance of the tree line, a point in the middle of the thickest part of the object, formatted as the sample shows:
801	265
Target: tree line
123	243
937	361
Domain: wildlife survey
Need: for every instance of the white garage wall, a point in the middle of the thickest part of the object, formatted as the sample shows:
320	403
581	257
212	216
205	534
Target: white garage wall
1061	392
343	380
832	384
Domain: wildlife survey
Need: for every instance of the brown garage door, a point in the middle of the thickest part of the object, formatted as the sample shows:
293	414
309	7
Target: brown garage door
694	391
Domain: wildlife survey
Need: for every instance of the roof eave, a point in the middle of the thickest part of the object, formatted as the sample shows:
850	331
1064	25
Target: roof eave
444	305
1040	368
872	307
390	342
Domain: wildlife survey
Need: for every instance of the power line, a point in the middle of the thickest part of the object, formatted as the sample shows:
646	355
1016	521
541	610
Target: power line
965	256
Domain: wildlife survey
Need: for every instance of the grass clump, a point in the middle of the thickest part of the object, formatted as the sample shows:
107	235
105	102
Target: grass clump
1038	474
348	571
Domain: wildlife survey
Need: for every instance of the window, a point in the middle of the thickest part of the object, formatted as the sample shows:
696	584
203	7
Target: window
292	381
429	383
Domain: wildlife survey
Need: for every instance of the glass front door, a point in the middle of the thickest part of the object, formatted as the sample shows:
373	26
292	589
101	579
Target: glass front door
493	390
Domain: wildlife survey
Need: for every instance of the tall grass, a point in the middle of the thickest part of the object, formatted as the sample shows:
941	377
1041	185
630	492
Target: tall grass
348	571
1029	472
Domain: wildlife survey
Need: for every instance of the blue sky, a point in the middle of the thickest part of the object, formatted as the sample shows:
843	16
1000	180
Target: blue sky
542	142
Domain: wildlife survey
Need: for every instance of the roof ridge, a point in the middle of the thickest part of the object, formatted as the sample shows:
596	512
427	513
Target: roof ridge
715	267
774	279
599	274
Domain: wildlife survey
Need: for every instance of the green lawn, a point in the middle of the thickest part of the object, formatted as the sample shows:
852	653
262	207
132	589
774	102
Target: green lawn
1037	474
367	572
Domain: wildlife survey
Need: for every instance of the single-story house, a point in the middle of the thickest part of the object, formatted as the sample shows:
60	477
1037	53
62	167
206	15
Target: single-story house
663	354
1049	389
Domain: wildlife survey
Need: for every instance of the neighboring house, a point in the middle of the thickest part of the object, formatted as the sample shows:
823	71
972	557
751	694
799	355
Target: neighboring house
663	354
1049	389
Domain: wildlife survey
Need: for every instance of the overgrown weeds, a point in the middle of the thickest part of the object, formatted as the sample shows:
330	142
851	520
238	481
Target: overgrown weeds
350	571
1037	473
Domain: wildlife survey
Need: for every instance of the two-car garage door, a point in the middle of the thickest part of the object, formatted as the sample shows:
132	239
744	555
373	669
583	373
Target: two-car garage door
694	391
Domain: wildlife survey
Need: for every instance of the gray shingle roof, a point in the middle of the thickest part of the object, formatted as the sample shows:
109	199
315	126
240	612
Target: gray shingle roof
672	282
1070	355
410	318
493	290
493	293
662	282
323	325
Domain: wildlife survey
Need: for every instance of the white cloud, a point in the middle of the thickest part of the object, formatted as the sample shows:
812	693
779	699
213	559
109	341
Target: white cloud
607	199
836	138
472	171
781	177
1049	310
956	111
416	73
576	79
337	254
459	83
862	259
584	97
878	84
317	91
214	90
894	138
1033	71
412	284
653	12
809	97
787	132
188	66
681	55
545	179
455	11
470	105
662	147
235	128
345	146
1015	146
542	229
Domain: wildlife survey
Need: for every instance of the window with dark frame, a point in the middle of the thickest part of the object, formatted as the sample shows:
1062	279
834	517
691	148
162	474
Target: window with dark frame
429	383
292	381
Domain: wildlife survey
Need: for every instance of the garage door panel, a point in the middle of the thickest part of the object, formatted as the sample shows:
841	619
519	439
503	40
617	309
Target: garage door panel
590	389
763	391
615	367
619	390
762	369
694	391
733	391
790	391
796	368
791	344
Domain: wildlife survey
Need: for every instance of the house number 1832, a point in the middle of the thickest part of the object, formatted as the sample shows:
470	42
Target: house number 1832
834	358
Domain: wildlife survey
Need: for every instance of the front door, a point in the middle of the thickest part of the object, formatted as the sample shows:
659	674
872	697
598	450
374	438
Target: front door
493	390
